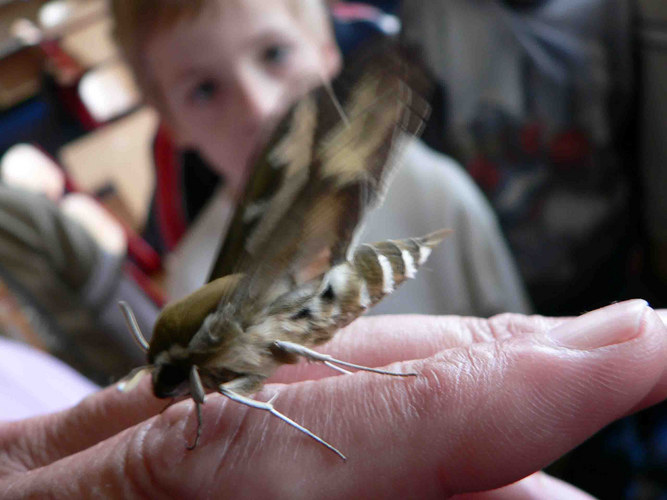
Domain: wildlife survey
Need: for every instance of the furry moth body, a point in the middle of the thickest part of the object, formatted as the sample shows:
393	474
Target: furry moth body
307	198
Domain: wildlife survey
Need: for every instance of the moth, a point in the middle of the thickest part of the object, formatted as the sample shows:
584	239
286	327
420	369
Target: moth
289	274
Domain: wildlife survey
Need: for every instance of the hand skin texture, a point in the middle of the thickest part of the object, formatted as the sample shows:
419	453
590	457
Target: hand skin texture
495	402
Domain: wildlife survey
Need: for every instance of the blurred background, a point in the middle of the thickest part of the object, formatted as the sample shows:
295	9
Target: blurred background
556	108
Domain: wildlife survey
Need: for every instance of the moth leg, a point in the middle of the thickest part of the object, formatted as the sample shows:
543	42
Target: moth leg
268	406
198	396
311	355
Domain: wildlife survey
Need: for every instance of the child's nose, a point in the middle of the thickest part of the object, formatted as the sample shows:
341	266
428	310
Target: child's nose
259	99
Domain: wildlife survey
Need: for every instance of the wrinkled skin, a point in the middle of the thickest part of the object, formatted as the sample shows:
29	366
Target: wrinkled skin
496	401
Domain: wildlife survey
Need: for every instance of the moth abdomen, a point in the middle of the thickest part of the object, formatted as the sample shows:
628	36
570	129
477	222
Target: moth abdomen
385	265
375	270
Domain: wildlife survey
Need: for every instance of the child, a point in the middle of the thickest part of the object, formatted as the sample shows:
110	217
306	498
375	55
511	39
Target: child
219	71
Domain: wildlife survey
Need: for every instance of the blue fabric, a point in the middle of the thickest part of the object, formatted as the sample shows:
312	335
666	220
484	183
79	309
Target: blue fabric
18	123
40	120
389	6
351	35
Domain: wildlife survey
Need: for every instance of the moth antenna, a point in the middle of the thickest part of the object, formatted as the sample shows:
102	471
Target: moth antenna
133	326
269	407
311	355
336	102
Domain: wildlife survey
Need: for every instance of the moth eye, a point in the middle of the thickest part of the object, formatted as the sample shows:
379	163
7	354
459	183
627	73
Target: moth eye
169	378
328	294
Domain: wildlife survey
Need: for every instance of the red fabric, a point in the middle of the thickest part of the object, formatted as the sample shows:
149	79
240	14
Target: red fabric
67	73
145	283
350	11
170	211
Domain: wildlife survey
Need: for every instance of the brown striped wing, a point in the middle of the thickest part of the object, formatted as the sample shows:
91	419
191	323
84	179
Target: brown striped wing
319	175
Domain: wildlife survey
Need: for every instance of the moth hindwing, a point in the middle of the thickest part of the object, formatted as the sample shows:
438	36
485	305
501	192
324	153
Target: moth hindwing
298	276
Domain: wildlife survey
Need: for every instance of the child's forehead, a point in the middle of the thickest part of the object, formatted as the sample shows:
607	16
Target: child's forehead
246	17
224	32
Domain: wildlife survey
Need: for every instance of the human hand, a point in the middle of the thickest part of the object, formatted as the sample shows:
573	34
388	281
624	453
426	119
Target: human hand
495	401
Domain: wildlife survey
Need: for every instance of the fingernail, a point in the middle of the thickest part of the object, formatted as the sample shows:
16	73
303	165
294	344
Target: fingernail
607	326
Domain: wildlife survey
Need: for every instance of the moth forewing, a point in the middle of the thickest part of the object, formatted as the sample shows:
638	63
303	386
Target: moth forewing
308	197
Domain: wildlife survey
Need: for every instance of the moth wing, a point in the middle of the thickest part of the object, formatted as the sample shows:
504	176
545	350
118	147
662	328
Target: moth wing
323	169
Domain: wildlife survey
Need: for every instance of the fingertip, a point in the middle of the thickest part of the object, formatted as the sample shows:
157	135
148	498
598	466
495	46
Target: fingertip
97	417
609	325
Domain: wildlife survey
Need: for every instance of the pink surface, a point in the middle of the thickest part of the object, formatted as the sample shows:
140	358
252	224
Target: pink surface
34	383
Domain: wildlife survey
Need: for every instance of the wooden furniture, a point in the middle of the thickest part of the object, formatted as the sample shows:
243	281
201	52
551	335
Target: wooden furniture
92	44
119	154
109	91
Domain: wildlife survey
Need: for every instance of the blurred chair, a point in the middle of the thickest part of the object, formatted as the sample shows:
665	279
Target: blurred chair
26	167
92	44
62	15
103	214
117	154
20	72
108	92
105	230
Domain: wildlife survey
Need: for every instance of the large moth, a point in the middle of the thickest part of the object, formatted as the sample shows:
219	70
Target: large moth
291	273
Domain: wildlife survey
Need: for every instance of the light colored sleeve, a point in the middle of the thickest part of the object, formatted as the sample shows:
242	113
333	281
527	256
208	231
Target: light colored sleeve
33	383
472	272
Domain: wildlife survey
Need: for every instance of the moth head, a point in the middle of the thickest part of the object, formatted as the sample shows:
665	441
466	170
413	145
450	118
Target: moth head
171	378
169	358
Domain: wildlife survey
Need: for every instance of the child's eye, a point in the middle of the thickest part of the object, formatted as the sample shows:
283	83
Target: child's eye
204	91
275	54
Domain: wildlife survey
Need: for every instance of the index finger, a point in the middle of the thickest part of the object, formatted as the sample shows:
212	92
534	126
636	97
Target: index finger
38	441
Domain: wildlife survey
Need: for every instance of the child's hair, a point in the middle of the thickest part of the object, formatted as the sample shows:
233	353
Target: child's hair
136	21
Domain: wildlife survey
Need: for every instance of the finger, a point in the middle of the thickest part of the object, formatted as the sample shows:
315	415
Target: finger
478	418
41	440
379	340
538	485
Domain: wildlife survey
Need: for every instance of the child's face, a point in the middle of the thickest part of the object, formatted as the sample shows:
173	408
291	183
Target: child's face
225	74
